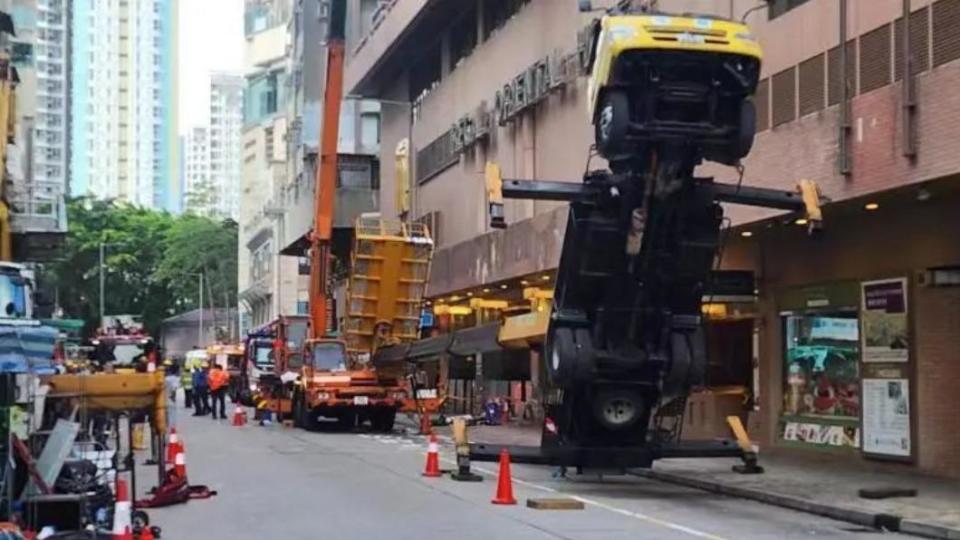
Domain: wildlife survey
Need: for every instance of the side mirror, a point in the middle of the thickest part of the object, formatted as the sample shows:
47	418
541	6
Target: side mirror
585	6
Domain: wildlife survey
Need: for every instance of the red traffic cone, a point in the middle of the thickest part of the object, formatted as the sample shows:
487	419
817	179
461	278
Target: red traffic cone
239	416
432	469
504	481
173	445
147	534
180	464
122	527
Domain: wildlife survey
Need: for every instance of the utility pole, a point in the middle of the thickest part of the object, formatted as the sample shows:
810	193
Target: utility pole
200	337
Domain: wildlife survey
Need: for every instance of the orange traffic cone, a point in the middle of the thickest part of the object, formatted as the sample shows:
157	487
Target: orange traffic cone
504	481
180	464
432	469
173	445
147	534
122	528
239	416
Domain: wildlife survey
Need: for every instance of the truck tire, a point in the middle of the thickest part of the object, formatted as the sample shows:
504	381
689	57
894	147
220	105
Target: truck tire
561	355
688	362
347	420
747	128
618	408
296	411
382	421
611	123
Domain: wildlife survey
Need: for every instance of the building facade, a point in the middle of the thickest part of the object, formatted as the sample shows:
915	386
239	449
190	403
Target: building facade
226	131
123	102
284	104
845	349
197	187
51	129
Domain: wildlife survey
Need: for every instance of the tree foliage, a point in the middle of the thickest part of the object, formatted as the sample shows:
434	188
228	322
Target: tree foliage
151	260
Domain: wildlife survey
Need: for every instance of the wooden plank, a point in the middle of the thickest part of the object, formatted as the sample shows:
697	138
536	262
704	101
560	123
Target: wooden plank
555	504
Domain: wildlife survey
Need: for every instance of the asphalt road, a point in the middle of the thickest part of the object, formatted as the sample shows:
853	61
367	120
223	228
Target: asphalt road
278	482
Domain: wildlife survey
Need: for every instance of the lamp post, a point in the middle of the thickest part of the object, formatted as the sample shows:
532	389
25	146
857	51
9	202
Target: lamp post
410	156
100	270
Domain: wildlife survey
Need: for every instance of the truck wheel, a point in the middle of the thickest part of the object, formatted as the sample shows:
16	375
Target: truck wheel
611	123
308	417
347	420
382	421
688	362
747	128
585	364
561	355
618	409
297	407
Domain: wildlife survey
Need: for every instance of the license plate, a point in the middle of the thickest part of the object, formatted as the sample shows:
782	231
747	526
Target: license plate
430	393
361	400
690	38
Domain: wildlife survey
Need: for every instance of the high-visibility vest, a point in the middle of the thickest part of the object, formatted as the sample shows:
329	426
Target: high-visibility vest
218	378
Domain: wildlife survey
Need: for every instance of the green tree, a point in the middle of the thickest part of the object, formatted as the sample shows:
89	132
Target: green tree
150	257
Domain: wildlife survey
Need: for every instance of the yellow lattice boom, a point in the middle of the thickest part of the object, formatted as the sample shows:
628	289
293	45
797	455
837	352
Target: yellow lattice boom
388	277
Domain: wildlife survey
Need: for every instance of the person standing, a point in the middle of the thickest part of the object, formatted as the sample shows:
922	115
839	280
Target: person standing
219	381
201	397
171	383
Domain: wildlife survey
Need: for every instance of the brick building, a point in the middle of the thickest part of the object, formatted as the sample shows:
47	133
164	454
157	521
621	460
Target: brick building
851	335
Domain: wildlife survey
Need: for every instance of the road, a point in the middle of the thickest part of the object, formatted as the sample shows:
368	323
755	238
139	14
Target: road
278	482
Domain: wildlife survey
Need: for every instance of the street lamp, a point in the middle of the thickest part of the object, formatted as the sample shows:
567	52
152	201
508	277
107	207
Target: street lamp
410	157
103	246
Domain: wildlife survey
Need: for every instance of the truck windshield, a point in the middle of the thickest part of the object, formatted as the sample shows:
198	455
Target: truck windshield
297	333
262	357
13	296
124	353
329	357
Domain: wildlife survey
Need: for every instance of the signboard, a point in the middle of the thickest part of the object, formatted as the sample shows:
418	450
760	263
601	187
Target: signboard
822	434
884	318
886	417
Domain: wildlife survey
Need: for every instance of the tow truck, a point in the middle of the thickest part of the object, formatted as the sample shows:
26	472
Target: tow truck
624	342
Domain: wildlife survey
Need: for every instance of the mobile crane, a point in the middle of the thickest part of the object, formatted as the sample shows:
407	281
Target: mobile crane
625	337
333	377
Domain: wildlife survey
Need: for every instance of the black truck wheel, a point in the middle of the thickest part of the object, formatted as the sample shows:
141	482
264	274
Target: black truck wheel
570	356
618	408
611	123
382	421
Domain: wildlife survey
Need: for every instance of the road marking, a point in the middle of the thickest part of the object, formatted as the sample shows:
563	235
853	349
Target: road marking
604	506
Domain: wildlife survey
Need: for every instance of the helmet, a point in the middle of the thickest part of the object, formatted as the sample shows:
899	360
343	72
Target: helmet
168	362
205	364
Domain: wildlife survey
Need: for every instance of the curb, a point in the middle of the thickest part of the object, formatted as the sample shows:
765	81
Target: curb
919	528
841	513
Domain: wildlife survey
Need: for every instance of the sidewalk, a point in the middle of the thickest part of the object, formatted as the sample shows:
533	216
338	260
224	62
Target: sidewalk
827	488
817	485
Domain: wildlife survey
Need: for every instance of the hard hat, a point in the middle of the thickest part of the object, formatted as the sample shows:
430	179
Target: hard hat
205	364
168	362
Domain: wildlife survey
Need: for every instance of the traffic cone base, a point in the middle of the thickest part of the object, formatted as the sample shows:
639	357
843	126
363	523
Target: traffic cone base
504	481
432	469
239	416
122	527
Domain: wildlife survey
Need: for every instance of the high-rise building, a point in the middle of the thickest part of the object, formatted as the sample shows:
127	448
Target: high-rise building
226	141
198	189
51	124
123	105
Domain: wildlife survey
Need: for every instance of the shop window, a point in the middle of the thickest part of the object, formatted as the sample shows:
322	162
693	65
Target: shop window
821	392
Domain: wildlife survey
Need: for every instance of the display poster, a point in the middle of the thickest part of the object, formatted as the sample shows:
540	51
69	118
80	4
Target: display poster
884	319
822	370
886	417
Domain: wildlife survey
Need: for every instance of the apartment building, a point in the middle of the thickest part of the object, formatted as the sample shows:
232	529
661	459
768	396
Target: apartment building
847	347
123	101
226	132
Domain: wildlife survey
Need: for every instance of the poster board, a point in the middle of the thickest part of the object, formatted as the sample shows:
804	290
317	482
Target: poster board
883	314
886	417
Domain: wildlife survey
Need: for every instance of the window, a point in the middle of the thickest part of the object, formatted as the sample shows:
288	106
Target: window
370	129
303	307
779	7
463	36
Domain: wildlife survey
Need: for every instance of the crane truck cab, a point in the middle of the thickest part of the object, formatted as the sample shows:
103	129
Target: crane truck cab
333	385
657	77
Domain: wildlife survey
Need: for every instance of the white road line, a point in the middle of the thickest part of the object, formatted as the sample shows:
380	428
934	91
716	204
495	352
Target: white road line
604	506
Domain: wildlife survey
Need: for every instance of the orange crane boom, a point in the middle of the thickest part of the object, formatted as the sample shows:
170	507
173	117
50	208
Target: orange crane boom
326	180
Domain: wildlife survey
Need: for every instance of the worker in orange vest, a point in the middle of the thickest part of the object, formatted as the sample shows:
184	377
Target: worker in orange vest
219	380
